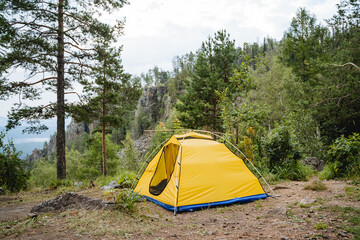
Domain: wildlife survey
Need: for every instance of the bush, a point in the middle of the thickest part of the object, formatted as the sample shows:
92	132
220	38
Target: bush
13	175
44	174
280	148
316	185
126	201
127	179
284	156
130	156
343	158
93	157
295	171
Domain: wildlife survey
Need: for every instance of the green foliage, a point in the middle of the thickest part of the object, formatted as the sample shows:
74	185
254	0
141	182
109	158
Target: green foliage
74	165
343	158
93	157
213	69
284	156
302	43
130	156
293	171
43	173
127	179
280	148
126	201
320	226
13	174
330	171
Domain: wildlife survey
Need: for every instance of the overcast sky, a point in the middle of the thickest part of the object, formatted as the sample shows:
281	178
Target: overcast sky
158	30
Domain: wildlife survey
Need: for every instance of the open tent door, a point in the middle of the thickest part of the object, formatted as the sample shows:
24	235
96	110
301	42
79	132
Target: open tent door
164	169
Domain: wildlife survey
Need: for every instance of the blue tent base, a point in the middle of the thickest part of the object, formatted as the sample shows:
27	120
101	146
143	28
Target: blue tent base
194	207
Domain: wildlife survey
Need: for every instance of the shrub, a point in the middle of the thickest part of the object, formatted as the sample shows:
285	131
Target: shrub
126	201
13	175
280	148
295	171
284	156
93	157
44	174
130	156
316	185
127	179
343	158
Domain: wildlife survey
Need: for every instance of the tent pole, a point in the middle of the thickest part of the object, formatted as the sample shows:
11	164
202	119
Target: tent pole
243	155
177	183
147	159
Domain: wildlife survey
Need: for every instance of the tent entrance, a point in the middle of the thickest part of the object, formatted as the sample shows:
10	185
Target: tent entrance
164	169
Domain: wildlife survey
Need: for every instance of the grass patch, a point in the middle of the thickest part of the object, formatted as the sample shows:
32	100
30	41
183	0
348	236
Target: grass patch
316	185
20	226
351	217
320	226
104	223
353	193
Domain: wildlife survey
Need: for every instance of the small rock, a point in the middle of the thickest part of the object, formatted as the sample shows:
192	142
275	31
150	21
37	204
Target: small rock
276	211
78	184
32	215
284	238
307	201
7	227
111	185
342	234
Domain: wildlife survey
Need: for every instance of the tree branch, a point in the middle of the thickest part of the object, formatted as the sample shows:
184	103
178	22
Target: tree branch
34	83
349	63
34	24
80	64
82	49
77	95
42	107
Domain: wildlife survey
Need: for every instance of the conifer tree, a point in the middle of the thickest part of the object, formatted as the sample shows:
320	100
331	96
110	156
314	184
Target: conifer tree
301	43
110	94
213	69
52	41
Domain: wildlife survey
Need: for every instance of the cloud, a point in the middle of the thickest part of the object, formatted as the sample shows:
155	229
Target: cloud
156	31
31	140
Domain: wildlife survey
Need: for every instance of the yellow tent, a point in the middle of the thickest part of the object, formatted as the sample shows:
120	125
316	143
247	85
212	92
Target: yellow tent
193	171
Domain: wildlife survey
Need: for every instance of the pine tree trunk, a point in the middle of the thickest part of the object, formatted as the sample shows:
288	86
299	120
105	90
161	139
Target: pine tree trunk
103	133
60	111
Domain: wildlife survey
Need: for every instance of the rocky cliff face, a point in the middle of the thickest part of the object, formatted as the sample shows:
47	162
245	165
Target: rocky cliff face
73	130
153	106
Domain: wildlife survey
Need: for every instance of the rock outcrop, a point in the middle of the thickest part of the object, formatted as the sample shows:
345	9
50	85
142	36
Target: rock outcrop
68	201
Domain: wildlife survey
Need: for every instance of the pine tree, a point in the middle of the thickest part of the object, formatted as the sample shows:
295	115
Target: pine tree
212	72
301	41
52	42
109	95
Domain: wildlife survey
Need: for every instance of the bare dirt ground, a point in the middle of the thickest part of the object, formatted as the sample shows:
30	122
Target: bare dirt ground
296	214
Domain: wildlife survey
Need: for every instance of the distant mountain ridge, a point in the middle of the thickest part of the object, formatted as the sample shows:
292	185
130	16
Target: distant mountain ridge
25	142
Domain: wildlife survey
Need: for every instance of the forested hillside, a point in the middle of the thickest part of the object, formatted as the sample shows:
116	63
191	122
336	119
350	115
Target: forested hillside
279	101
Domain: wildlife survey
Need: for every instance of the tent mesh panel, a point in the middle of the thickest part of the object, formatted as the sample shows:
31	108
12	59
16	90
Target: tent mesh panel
164	169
